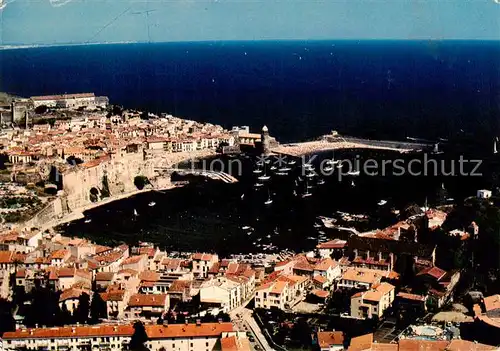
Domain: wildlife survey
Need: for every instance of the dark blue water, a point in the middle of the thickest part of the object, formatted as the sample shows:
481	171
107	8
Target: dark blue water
384	89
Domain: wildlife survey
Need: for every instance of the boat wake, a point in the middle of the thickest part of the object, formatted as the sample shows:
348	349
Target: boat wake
59	3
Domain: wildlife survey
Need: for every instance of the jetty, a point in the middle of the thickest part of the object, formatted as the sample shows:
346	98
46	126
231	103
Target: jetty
335	141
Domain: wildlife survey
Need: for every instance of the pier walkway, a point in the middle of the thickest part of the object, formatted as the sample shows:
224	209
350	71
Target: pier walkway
335	142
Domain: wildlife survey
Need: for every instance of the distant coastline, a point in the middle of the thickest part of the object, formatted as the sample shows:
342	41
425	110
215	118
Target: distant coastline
416	40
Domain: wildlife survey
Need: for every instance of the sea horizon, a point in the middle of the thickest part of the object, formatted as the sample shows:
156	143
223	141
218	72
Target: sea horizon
300	89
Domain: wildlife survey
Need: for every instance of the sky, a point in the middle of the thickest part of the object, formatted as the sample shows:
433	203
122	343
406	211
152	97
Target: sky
82	21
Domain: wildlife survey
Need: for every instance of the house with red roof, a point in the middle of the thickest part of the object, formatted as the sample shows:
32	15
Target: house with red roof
202	262
330	340
372	303
147	306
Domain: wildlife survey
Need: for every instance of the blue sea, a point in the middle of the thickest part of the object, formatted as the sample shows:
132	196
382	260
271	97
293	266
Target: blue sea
300	89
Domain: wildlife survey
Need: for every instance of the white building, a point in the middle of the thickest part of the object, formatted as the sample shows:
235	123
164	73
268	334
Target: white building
226	293
65	100
202	262
483	194
372	303
178	337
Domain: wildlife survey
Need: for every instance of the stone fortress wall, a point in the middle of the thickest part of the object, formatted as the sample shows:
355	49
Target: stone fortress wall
120	170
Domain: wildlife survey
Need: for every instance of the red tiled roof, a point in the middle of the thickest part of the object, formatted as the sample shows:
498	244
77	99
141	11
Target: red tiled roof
332	244
153	331
104	276
330	338
413	297
142	300
6	257
116	295
320	293
435	272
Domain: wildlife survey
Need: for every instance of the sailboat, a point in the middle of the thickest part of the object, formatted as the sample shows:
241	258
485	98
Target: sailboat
436	149
258	169
353	172
264	176
307	193
269	200
332	162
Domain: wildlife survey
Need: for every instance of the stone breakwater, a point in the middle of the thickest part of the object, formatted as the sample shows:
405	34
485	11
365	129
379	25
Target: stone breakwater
311	147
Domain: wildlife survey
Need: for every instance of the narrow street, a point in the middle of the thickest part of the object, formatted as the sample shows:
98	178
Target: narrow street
243	321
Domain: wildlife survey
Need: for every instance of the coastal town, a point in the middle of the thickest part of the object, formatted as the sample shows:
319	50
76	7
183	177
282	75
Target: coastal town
403	286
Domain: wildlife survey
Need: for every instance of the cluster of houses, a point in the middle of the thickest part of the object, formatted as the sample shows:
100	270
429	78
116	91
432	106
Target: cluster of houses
90	135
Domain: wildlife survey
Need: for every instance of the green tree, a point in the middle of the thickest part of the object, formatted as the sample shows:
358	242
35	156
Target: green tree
40	110
138	338
141	181
105	187
81	314
98	309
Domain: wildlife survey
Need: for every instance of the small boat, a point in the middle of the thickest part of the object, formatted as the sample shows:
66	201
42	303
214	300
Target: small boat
292	162
353	173
242	196
264	177
151	204
258	185
246	227
281	173
272	168
269	200
135	212
269	236
328	169
352	184
310	175
307	193
321	182
257	171
285	169
88	220
382	202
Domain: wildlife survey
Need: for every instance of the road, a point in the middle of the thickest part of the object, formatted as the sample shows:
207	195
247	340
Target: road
243	321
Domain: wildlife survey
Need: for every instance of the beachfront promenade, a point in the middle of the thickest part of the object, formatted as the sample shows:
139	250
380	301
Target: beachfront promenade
338	142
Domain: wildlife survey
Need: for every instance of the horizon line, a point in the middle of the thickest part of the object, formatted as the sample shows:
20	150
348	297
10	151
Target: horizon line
34	46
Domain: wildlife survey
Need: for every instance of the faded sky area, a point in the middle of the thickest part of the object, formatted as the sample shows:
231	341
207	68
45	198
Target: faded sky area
82	21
